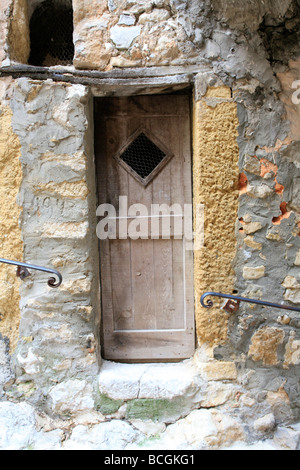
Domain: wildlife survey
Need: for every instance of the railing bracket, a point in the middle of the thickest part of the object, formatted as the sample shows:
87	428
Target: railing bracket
233	303
23	271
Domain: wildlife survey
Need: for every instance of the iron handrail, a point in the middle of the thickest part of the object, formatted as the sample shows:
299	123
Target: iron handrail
23	272
209	303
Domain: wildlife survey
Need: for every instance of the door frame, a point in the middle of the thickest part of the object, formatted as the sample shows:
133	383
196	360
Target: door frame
187	90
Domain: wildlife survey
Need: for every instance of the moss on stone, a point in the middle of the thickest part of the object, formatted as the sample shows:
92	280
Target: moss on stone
154	409
106	405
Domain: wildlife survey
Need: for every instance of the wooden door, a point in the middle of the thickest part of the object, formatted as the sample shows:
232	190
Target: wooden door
146	283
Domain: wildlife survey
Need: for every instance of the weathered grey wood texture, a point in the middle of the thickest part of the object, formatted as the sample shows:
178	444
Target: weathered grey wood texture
119	82
146	284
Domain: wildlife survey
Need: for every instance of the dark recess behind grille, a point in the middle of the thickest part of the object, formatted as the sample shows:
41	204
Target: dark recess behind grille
142	156
51	34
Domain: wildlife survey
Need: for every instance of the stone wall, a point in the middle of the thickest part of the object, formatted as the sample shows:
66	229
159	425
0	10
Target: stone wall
57	196
216	176
131	34
241	60
11	239
14	36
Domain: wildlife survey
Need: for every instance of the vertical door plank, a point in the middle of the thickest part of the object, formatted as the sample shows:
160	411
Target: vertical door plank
143	298
163	249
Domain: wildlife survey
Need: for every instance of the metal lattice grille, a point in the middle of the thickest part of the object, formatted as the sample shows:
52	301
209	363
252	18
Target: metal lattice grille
143	156
51	34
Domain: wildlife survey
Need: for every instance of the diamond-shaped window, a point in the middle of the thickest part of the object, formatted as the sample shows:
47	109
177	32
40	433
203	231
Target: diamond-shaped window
143	156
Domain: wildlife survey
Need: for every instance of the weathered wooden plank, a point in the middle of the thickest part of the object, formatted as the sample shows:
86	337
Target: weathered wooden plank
106	83
149	313
129	72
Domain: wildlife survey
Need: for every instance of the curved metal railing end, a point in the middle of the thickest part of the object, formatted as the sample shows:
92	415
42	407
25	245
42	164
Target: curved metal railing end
23	271
208	303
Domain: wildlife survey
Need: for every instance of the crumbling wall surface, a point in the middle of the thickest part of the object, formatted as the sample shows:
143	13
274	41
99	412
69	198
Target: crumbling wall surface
253	51
266	264
131	34
11	245
253	48
14	31
57	197
125	33
248	16
4	28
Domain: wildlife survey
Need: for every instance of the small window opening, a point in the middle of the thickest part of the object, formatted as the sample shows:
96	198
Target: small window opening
51	34
142	155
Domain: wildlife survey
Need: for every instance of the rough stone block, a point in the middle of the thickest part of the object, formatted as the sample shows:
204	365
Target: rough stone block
17	426
264	345
123	37
251	243
153	381
292	292
65	230
252	227
287	438
218	370
266	424
72	397
251	273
